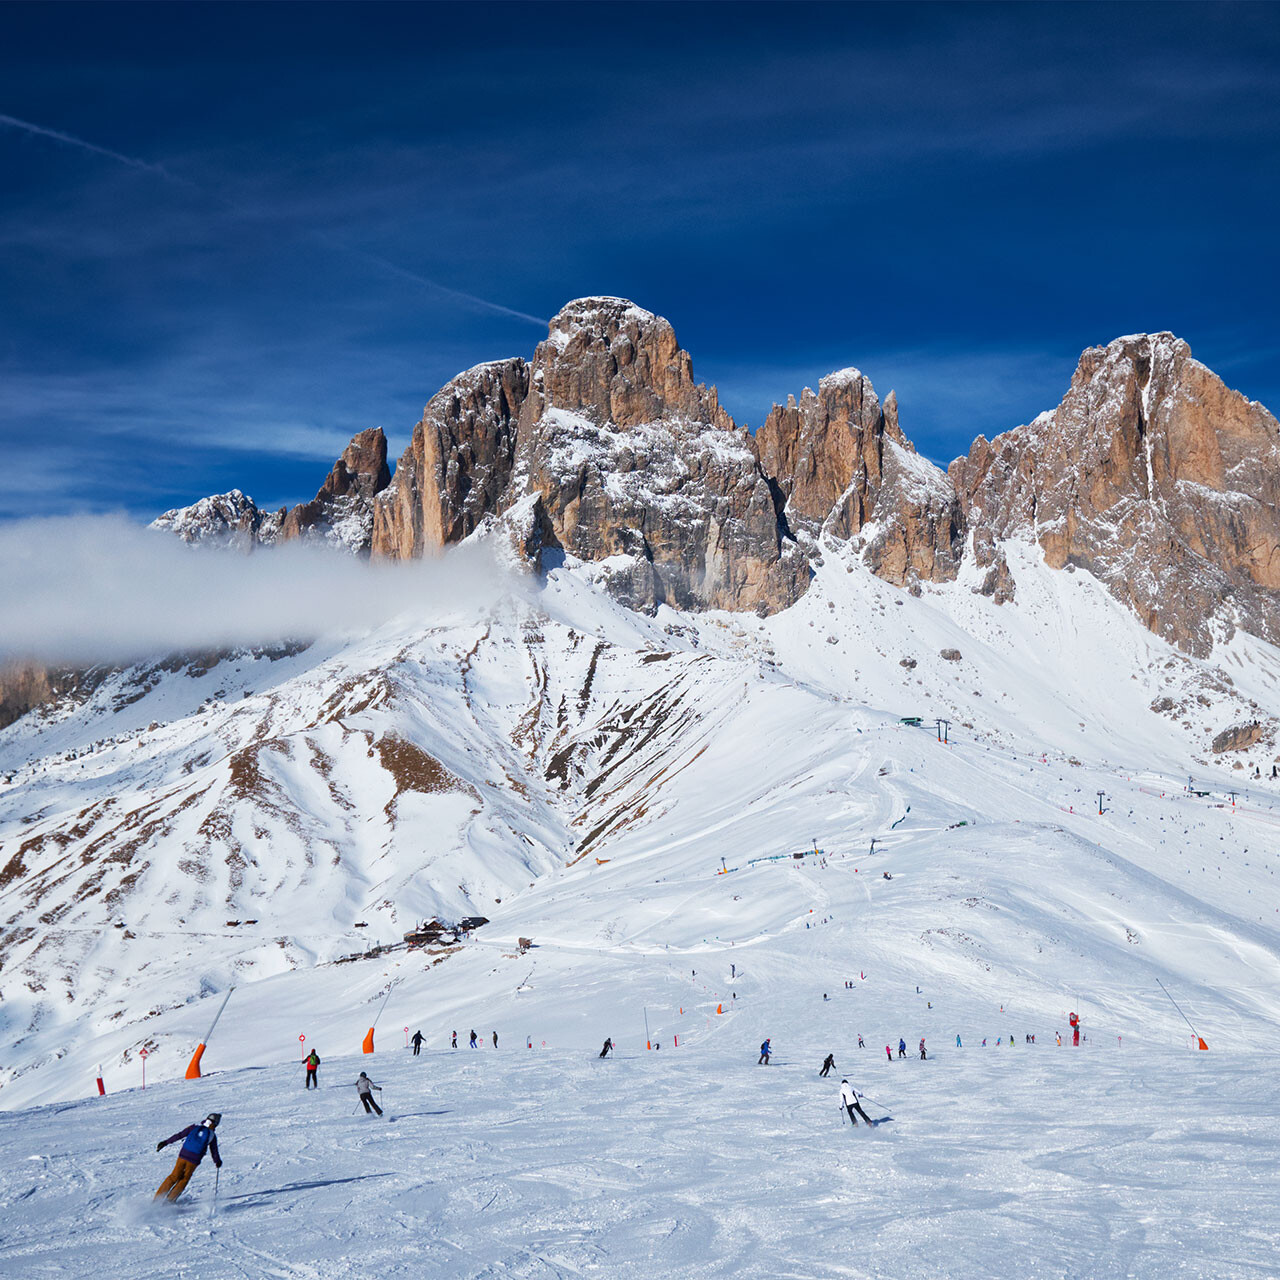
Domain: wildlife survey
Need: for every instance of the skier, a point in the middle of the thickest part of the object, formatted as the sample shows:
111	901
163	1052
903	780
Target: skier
902	1047
765	1051
417	1043
860	1044
827	1063
196	1140
608	1044
958	1042
365	1088
473	1037
313	1065
888	1053
453	1040
922	1052
495	1039
849	1100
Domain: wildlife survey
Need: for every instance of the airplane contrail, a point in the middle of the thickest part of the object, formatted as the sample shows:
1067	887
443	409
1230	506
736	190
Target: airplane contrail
395	269
160	171
72	141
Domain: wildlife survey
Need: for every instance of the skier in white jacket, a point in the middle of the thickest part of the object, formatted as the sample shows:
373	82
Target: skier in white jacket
849	1100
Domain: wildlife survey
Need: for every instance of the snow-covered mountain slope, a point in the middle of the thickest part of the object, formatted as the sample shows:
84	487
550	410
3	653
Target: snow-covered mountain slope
578	773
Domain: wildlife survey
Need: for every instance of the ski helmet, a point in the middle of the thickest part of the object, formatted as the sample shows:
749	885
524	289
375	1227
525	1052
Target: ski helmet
213	1118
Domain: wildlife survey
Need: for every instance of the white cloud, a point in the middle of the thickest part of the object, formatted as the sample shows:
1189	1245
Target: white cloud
80	590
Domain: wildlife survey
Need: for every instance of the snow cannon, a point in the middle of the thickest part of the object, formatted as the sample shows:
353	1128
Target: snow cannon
193	1067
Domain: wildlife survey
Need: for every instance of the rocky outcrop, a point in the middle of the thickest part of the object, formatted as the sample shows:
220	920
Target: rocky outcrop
638	466
845	469
1239	737
341	514
1156	478
457	467
224	519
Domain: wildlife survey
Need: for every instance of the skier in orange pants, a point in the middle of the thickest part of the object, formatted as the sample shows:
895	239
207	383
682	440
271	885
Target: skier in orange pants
196	1140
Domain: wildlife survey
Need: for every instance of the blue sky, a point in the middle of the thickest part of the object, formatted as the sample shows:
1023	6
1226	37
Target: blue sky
303	220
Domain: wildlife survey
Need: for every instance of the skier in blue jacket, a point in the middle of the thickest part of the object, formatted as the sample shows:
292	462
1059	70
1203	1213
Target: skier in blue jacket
765	1051
196	1140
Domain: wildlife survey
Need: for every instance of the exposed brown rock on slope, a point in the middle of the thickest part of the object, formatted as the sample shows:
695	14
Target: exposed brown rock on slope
457	467
1156	478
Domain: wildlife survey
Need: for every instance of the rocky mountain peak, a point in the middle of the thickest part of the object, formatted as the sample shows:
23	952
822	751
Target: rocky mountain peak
843	466
1154	476
613	361
341	513
223	519
635	463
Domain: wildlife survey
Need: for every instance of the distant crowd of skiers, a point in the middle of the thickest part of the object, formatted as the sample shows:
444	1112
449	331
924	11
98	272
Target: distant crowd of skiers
199	1139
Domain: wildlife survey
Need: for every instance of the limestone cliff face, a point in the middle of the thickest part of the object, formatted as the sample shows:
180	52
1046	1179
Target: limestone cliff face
637	465
845	469
1156	478
457	467
341	514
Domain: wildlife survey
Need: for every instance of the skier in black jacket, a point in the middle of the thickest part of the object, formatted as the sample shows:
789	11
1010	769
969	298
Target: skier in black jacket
827	1064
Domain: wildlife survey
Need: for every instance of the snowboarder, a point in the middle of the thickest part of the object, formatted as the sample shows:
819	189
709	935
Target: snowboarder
608	1044
453	1040
765	1051
365	1088
902	1047
196	1140
849	1100
473	1037
827	1063
417	1043
313	1065
923	1055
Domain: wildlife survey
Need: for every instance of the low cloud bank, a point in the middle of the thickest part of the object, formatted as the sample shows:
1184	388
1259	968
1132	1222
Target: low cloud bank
80	590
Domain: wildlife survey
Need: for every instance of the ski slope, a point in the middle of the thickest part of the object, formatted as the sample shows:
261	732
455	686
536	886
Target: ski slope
1043	1161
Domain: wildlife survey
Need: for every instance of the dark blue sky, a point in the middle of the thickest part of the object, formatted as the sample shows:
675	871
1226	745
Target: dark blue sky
955	199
